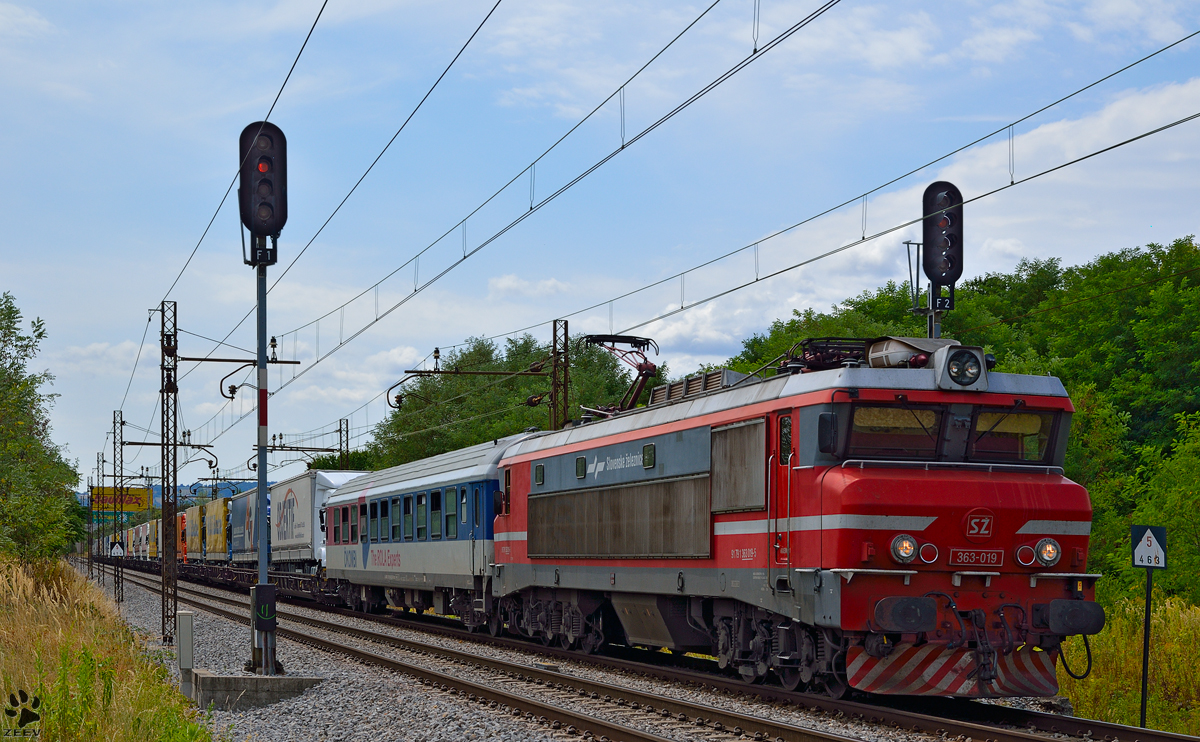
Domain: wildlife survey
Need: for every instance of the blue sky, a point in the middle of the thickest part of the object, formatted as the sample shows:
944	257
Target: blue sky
119	129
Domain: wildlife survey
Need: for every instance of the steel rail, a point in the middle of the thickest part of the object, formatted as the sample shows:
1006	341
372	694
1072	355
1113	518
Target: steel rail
702	716
516	704
945	716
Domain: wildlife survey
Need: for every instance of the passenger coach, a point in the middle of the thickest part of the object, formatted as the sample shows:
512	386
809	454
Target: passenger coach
419	536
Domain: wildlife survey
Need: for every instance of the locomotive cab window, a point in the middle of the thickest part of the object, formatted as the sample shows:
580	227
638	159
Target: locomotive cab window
649	457
894	432
785	440
539	474
998	434
397	531
374	522
580	467
435	514
451	516
383	520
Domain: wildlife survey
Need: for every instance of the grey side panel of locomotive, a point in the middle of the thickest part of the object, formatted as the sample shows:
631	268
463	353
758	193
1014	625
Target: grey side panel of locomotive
816	597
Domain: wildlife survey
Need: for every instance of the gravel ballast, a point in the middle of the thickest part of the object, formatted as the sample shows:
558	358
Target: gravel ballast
354	701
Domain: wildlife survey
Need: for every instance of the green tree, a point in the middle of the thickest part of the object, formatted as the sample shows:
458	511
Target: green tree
447	412
39	516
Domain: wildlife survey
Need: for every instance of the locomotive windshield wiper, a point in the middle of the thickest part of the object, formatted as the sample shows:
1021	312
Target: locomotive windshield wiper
903	400
1017	404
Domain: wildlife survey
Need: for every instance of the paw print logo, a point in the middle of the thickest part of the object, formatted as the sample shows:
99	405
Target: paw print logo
23	709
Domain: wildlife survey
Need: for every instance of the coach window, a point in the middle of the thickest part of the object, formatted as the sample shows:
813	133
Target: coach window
408	518
396	525
374	522
422	527
478	505
462	504
435	514
337	526
362	521
351	535
451	515
383	520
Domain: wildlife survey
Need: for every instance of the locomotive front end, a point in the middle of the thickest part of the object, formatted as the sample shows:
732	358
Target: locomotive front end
960	547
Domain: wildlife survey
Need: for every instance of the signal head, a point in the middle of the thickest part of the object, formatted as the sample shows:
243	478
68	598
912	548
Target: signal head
262	192
942	239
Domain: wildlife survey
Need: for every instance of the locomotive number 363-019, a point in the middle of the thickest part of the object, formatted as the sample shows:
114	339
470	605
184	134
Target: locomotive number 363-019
976	557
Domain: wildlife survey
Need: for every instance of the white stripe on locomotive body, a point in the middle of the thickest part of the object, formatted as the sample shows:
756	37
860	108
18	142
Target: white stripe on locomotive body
825	523
1057	527
779	387
512	536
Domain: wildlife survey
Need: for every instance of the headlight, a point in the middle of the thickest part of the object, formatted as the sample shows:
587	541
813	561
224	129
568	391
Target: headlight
1047	552
904	548
964	368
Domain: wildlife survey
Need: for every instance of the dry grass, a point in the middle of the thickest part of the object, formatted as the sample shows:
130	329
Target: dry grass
1113	691
61	640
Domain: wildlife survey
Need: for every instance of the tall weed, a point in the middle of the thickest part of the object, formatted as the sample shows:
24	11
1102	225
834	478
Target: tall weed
62	640
1113	691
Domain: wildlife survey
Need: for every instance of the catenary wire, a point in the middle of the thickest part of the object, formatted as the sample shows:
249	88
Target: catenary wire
843	204
563	189
739	66
363	177
853	200
883	232
490	198
212	220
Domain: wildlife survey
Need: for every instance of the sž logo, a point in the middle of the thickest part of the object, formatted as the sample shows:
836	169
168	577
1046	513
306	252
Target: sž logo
979	525
23	708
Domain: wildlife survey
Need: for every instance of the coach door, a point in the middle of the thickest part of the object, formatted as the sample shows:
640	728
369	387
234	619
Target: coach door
781	448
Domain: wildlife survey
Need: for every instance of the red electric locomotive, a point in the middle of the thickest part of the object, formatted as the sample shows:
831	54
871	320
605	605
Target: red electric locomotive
888	515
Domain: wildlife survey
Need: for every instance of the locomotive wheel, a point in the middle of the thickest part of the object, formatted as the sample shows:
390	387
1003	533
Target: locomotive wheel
592	642
748	675
495	626
565	641
835	687
790	678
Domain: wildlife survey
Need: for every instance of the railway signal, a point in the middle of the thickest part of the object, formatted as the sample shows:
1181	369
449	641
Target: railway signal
262	188
262	196
942	242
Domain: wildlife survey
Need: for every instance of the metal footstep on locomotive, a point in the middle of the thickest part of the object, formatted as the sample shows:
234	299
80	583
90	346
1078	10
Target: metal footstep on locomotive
947	717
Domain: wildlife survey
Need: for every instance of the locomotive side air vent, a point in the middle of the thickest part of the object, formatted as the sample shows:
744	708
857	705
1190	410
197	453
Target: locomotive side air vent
694	385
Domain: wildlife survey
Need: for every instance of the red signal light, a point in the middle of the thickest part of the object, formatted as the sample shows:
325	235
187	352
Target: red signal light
263	166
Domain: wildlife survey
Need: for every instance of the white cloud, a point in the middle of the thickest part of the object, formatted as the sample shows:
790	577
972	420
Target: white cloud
511	285
17	22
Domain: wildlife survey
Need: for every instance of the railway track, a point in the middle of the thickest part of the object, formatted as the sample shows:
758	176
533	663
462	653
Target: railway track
947	718
560	690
